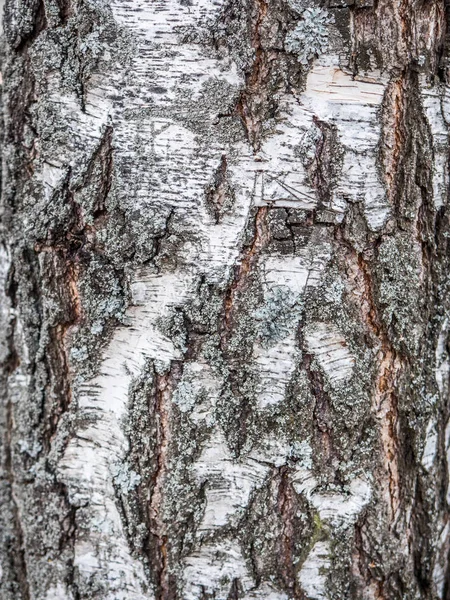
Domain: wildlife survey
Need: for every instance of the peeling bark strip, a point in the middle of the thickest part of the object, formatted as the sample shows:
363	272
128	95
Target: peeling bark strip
224	301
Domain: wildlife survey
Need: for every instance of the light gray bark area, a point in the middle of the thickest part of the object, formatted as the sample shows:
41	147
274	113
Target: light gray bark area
224	321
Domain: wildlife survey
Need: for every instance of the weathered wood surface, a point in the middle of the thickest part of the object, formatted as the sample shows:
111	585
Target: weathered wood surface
224	300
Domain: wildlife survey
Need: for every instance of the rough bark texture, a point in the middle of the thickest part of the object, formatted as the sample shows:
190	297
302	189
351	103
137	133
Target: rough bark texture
224	323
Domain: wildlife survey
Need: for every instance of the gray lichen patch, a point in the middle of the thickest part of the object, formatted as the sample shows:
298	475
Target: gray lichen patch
277	315
310	38
228	34
88	42
399	291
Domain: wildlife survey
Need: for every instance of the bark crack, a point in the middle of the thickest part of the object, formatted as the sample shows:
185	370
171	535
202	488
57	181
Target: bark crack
158	527
384	402
216	195
164	386
242	272
254	81
286	508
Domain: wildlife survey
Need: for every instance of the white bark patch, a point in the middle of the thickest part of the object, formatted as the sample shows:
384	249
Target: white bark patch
441	564
281	176
271	452
352	105
276	365
320	254
442	360
229	482
289	271
447	450
84	132
313	574
266	592
336	508
433	101
212	570
87	470
442	372
304	481
58	592
156	22
112	567
430	449
339	508
330	349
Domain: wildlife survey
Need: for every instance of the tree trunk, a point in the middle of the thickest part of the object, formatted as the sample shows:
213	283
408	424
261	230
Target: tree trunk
224	300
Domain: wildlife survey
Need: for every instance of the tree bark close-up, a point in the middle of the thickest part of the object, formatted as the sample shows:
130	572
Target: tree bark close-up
224	300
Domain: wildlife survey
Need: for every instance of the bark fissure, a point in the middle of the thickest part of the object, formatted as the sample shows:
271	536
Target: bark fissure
389	366
164	387
287	509
321	410
249	257
255	81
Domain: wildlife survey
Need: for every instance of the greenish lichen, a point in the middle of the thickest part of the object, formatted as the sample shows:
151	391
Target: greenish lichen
277	315
310	37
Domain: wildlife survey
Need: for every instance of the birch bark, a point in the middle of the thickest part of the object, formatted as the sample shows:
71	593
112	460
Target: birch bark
224	270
